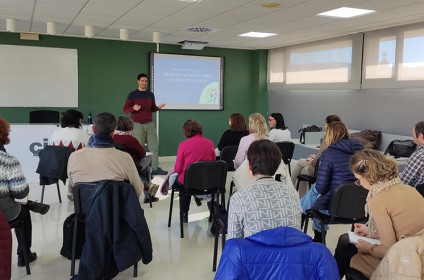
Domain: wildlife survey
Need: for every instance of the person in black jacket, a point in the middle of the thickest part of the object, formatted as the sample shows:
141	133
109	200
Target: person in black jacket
232	136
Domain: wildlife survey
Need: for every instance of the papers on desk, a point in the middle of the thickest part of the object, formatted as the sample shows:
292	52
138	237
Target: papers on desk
353	238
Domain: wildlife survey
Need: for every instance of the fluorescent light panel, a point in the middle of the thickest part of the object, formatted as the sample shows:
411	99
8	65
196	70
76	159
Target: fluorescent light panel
346	12
257	34
190	1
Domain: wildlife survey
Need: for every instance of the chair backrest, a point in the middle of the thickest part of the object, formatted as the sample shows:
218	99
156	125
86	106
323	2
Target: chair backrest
228	154
82	193
44	116
121	147
54	161
206	177
348	201
287	150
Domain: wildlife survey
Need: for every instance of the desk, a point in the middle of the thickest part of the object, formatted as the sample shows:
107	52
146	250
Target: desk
26	142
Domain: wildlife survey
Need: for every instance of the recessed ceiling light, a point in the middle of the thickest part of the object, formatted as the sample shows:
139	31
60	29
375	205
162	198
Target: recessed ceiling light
257	34
346	12
270	5
190	1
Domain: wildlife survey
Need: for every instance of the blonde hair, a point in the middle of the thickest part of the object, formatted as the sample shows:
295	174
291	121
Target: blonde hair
335	132
257	124
374	166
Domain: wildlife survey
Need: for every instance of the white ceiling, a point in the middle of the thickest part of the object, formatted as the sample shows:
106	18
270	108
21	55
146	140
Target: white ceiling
294	21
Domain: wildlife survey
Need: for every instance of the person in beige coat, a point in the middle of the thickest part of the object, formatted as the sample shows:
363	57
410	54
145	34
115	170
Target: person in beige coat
395	210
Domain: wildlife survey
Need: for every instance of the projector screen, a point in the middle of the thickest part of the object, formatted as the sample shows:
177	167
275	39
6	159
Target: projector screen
187	82
38	77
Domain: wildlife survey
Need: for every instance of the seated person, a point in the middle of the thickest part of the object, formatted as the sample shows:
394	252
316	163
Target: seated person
278	131
413	173
123	136
306	166
257	130
13	185
101	161
195	148
265	203
395	211
232	136
70	134
333	171
279	253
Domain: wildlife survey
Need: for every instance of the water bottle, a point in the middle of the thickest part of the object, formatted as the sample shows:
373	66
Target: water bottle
89	118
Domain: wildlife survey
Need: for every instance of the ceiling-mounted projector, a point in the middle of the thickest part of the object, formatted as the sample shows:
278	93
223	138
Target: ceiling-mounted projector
193	45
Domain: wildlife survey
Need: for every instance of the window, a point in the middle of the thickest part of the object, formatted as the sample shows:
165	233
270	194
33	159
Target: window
325	64
393	57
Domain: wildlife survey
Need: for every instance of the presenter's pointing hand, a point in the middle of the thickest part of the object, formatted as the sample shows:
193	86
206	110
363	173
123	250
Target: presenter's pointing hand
160	106
136	107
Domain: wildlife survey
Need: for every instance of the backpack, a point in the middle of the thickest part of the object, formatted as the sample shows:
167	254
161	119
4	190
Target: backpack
220	214
312	128
68	233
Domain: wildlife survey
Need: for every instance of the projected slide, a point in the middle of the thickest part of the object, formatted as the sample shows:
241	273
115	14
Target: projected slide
187	82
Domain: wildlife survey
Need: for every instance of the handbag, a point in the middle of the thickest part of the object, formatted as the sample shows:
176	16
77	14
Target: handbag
312	128
401	148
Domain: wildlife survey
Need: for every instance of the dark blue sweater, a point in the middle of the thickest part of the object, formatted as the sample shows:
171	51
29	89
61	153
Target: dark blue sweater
334	170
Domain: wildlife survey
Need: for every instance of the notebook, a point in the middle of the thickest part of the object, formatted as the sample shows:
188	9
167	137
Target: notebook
353	238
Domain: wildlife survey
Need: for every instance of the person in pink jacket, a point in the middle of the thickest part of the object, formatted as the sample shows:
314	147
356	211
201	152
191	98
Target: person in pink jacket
195	148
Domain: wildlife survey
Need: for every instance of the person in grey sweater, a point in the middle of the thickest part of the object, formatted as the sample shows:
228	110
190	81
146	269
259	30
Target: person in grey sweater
13	186
265	203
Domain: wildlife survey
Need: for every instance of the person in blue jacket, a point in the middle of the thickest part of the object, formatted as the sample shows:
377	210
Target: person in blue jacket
333	170
279	253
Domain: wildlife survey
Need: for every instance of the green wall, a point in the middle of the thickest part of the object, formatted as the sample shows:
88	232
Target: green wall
107	71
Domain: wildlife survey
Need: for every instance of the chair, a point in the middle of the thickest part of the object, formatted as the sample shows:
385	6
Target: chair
52	167
44	116
144	173
18	226
202	177
309	179
287	150
228	154
221	226
347	207
82	194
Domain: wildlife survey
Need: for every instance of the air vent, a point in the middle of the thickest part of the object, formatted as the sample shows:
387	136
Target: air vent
199	29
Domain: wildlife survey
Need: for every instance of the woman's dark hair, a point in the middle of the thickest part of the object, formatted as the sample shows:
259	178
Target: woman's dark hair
124	123
71	118
280	120
191	128
4	132
332	118
264	157
238	123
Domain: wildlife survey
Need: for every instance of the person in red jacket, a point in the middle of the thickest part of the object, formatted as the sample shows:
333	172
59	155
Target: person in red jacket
140	104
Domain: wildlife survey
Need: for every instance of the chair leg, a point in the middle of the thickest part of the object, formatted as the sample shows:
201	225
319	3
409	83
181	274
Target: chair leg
58	192
135	270
215	246
170	207
289	169
150	200
323	232
42	193
297	185
25	249
181	221
305	228
74	245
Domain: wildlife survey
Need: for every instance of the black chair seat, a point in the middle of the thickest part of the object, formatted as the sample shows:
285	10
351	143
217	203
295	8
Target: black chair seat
287	150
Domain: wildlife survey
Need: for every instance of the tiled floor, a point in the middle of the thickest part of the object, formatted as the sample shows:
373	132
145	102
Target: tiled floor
173	257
